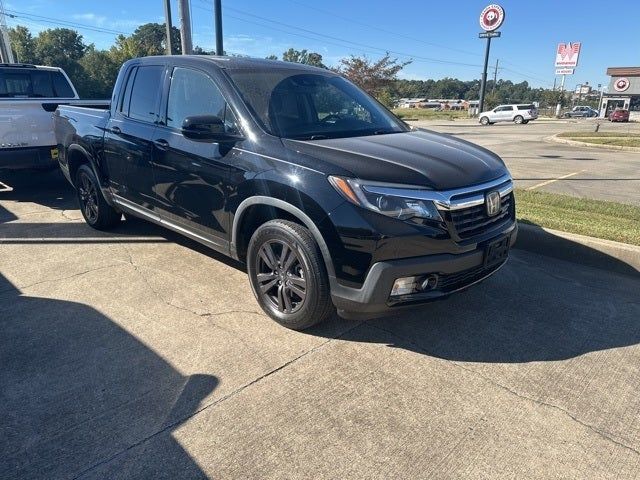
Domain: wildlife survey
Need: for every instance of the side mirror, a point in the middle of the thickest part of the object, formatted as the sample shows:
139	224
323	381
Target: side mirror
207	128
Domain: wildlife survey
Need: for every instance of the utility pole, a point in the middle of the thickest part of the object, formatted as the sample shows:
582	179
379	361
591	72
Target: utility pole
495	77
167	20
6	53
218	24
185	27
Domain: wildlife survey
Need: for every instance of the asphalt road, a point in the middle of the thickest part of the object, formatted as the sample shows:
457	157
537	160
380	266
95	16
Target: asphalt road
580	171
137	354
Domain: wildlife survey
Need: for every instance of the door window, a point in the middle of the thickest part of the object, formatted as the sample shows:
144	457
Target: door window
144	93
194	93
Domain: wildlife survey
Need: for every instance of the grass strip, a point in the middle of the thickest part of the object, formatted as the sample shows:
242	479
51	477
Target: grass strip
595	218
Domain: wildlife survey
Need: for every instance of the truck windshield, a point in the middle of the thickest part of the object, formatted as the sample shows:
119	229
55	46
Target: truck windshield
33	83
311	106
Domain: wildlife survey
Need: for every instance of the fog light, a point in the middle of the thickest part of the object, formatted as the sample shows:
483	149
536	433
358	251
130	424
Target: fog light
430	282
404	286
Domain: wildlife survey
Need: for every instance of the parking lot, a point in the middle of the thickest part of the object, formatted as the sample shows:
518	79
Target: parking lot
579	171
139	354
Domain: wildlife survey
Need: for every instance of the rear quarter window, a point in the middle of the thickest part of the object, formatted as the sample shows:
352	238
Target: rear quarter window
34	83
526	107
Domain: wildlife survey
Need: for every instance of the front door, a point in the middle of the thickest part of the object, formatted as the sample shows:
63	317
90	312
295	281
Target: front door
195	178
128	140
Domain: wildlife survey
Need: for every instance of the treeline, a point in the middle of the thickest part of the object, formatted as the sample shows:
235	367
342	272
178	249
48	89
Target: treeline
94	71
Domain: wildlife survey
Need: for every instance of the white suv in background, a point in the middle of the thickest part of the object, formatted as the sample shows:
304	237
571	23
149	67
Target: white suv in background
519	113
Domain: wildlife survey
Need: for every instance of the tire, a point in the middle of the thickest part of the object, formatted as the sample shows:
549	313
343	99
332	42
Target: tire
524	122
279	252
518	119
96	211
485	121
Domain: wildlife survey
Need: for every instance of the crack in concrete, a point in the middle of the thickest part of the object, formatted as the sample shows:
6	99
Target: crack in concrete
217	402
60	279
602	434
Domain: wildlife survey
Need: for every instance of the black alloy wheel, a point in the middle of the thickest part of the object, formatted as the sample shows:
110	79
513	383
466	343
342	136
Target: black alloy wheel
281	276
88	195
95	209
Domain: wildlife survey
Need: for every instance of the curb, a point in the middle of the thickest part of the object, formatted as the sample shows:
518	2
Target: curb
576	143
594	252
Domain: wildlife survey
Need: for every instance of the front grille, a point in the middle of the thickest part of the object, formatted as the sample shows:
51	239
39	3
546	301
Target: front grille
472	221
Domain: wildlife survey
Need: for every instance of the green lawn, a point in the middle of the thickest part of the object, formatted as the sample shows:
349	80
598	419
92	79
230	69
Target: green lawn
595	218
604	138
428	114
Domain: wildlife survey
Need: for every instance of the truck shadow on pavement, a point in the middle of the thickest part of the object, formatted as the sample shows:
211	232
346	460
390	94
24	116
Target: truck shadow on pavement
535	309
77	391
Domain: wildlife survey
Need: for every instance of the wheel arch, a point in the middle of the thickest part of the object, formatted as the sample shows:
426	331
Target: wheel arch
78	155
296	214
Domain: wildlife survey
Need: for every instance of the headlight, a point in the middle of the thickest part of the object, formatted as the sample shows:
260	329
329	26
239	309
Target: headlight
390	201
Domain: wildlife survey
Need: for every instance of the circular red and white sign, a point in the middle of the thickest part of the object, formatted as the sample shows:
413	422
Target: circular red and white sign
491	17
621	84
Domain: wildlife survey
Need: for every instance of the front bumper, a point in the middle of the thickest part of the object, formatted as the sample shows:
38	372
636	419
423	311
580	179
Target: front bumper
458	272
37	158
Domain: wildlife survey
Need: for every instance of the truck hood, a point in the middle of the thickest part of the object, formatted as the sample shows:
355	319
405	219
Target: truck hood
422	158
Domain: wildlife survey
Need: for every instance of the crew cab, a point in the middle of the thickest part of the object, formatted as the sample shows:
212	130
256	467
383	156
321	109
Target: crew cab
29	94
330	200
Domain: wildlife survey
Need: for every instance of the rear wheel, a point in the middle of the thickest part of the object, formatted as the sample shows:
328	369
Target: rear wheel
518	119
287	274
95	209
524	122
484	121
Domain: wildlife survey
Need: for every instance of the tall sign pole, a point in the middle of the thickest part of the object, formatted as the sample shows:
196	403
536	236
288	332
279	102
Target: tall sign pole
491	19
167	19
567	55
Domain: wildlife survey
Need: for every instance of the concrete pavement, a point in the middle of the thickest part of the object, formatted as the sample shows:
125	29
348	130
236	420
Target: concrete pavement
579	171
137	354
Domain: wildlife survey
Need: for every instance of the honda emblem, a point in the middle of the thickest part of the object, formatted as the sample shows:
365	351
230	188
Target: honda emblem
492	201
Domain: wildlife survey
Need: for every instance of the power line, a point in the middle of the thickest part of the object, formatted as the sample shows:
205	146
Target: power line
390	32
57	21
323	37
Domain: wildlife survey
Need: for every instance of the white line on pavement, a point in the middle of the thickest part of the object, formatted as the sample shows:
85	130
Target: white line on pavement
555	180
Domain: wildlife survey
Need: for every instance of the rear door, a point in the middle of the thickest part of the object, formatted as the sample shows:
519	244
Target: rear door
128	140
195	178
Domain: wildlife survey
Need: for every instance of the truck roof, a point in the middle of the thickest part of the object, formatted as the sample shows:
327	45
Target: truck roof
28	66
236	63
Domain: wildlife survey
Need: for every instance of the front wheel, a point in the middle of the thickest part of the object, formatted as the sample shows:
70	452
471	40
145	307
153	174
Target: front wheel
518	119
95	209
524	122
484	120
287	275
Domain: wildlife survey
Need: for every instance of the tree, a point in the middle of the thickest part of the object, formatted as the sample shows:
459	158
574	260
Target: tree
302	56
22	44
272	57
371	76
99	74
59	47
148	39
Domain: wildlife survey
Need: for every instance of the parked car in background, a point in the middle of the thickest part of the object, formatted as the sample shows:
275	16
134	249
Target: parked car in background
581	111
619	115
29	95
517	113
330	200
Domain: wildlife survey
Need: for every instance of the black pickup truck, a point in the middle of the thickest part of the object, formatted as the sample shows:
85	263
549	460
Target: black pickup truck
330	200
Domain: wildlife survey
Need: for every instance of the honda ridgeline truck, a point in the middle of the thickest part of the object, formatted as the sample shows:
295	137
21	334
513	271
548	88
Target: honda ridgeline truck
329	199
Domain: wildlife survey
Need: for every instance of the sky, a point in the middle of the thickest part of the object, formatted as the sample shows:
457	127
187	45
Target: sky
440	37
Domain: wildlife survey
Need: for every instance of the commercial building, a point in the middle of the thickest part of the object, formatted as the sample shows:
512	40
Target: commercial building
623	92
